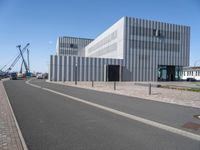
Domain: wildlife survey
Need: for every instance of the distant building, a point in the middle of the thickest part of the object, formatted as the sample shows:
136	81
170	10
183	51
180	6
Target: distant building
130	50
71	46
191	72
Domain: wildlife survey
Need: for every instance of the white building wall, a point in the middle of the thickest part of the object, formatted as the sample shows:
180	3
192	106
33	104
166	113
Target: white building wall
57	46
191	73
109	44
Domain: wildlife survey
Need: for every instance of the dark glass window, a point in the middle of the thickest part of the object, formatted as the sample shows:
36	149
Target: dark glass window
156	32
71	45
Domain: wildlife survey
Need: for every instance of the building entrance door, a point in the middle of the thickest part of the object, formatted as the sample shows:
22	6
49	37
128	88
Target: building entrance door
112	72
170	73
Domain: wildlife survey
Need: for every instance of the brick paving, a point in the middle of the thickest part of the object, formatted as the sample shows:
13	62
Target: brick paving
9	137
179	97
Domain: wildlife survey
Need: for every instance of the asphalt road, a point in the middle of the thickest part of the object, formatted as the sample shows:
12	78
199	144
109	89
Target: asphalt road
169	114
50	121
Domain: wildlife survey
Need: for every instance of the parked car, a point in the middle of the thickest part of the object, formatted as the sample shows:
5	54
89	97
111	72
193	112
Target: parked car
191	79
13	76
45	75
19	75
39	76
33	75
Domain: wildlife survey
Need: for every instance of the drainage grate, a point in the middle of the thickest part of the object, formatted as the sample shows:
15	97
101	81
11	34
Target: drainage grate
197	116
191	125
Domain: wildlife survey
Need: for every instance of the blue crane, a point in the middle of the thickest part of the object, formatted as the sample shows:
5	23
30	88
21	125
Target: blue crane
17	58
23	61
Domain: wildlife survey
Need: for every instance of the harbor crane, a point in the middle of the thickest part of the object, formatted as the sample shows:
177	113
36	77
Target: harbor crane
17	59
24	61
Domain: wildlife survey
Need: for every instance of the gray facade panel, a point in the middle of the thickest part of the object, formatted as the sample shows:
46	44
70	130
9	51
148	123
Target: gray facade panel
144	53
85	68
72	46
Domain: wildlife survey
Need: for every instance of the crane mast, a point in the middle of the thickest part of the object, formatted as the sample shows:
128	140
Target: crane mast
28	59
17	58
24	61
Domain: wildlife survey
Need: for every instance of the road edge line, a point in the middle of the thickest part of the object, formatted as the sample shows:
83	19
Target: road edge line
130	116
15	120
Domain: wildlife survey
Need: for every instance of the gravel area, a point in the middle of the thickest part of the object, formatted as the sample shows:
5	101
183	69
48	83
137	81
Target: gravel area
174	96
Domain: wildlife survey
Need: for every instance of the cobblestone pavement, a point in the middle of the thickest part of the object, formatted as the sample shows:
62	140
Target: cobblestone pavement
9	137
179	97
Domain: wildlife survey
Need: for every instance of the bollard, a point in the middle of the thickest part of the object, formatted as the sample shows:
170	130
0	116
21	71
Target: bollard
76	74
75	81
149	88
92	83
114	85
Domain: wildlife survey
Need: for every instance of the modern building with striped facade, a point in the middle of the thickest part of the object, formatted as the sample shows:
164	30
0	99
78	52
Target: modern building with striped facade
130	50
71	45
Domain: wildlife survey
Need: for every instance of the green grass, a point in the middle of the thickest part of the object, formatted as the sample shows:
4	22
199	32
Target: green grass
194	82
181	88
193	89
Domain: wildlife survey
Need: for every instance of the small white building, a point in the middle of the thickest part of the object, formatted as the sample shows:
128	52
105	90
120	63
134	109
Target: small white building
191	72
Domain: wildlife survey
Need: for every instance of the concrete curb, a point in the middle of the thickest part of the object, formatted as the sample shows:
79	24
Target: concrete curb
16	123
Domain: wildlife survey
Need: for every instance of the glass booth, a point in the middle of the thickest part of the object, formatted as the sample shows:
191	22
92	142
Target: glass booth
169	73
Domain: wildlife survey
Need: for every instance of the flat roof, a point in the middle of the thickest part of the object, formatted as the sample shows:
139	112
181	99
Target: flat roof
74	37
192	68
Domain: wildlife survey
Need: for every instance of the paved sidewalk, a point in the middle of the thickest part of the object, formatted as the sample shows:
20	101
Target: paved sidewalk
179	97
9	136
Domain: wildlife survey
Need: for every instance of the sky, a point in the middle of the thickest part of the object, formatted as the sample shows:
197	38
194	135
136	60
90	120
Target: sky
40	22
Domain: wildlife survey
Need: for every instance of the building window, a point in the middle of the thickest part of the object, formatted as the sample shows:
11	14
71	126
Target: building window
156	32
73	45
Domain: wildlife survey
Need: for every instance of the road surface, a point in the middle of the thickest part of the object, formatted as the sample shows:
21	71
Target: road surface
50	121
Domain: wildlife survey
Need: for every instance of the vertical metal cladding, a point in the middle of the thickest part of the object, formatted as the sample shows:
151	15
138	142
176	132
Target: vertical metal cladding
146	45
88	69
151	43
71	46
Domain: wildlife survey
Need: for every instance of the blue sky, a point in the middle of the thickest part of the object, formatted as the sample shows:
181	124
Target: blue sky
40	22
